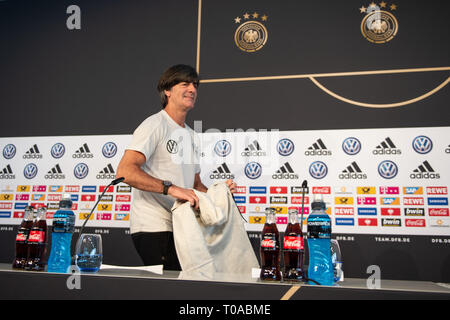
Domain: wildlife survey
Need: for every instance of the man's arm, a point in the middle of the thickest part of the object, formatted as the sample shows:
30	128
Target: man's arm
198	184
130	167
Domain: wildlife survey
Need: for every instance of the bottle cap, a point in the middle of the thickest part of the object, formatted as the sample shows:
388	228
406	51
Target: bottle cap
318	203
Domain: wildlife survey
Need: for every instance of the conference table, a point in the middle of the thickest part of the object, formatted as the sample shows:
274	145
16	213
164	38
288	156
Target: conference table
134	283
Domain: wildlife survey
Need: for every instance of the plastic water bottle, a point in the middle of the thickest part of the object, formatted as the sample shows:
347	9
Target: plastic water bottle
63	226
319	236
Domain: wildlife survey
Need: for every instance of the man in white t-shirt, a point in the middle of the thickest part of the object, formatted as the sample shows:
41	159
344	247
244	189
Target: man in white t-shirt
162	165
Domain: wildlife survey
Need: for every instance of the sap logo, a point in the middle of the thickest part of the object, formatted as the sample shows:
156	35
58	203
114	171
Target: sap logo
222	148
390	201
253	170
351	146
412	190
285	147
109	149
318	170
387	169
422	144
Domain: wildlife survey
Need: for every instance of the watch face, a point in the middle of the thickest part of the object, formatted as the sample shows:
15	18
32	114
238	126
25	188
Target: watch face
167	183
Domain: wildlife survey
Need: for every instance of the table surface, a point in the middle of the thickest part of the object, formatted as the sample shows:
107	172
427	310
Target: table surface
286	289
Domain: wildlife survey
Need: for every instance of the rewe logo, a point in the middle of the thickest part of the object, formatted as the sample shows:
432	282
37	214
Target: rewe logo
33	153
318	148
107	173
55	173
352	172
386	147
254	150
424	171
285	172
222	172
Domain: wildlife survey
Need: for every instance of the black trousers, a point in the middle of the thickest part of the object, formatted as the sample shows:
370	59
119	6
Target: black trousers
157	248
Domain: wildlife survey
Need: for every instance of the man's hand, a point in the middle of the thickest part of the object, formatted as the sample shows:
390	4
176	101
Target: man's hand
231	185
184	195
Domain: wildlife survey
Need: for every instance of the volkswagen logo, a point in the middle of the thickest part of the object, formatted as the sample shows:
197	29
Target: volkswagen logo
172	146
109	149
351	146
285	147
30	171
318	170
387	169
253	170
57	150
81	171
422	144
9	151
222	148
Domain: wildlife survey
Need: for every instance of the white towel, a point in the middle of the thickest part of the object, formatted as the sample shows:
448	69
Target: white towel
213	240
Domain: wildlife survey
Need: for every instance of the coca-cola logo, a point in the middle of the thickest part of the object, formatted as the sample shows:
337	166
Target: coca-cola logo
415	222
438	212
37	236
293	243
268	243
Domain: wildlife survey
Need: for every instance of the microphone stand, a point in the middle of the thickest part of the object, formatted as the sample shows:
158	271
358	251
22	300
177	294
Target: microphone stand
112	183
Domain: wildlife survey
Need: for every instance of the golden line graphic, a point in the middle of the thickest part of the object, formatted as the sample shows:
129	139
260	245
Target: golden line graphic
387	105
313	77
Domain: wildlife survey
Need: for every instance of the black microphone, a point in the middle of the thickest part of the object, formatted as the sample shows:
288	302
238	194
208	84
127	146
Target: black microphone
112	183
304	187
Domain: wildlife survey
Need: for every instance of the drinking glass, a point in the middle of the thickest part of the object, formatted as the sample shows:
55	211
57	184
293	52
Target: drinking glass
89	252
336	258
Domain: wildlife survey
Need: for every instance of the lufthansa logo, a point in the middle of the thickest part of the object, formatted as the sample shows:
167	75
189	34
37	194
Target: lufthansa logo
379	26
251	35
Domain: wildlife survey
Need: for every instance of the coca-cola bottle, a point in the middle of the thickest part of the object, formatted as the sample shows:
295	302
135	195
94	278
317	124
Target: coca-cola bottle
37	242
270	248
22	239
293	249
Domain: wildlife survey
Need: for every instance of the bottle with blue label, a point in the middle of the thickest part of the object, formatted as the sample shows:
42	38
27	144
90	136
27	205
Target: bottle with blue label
63	227
319	235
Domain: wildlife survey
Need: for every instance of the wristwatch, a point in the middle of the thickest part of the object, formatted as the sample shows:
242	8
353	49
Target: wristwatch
167	185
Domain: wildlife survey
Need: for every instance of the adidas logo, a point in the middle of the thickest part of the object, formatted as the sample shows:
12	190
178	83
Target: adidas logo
33	153
386	147
254	150
55	173
107	173
83	152
424	171
285	172
7	173
318	148
222	172
353	171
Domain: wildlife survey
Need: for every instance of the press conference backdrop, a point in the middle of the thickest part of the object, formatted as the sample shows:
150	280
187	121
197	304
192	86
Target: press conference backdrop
350	96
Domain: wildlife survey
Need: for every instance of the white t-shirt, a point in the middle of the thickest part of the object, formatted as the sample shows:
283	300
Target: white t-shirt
172	153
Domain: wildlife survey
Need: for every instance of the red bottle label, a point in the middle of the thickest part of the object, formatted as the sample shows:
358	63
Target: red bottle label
37	236
293	243
21	237
268	243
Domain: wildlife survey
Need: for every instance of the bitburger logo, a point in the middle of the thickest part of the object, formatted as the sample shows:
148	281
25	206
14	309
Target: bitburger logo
379	25
251	34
